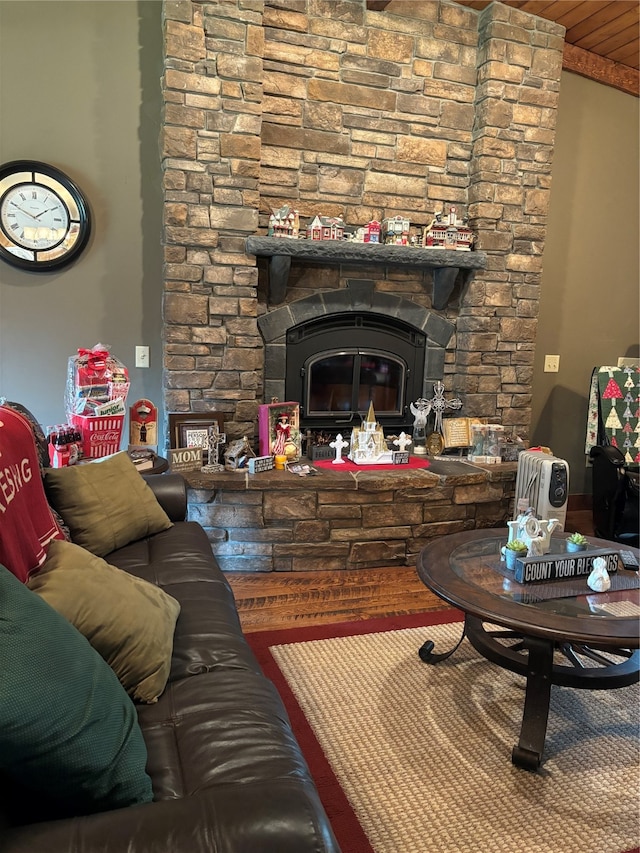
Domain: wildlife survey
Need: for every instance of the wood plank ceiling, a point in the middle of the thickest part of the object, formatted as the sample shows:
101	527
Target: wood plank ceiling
602	36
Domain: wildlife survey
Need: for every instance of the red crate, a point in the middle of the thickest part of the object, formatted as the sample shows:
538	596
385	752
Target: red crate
101	436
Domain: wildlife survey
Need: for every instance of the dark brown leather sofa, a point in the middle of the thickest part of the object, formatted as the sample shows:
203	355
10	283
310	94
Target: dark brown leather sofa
228	775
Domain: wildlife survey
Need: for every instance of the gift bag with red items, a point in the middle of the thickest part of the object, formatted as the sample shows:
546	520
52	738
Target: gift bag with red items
95	395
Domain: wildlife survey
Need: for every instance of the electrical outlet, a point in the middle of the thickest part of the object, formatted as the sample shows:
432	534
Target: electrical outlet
551	363
142	356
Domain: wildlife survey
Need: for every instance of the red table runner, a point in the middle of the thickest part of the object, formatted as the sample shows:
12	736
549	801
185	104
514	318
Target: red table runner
348	465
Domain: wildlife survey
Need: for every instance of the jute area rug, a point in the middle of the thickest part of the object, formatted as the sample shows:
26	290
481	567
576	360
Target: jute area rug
415	758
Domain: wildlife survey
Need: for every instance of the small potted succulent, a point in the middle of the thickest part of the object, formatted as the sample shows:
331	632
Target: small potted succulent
512	550
576	542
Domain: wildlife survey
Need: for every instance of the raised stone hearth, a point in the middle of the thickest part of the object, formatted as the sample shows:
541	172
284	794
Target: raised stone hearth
277	521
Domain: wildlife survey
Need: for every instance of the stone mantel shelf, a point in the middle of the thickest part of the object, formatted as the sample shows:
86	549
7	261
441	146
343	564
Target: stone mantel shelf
445	263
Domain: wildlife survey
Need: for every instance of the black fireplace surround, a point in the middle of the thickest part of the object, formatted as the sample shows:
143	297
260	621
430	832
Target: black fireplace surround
337	351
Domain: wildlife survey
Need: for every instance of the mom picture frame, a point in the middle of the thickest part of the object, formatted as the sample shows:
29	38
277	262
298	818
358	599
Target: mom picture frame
191	429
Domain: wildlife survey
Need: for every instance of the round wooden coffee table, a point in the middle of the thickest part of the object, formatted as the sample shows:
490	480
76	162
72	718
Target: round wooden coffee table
558	632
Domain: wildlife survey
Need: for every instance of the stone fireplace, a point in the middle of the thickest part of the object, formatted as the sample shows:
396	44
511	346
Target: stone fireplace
344	110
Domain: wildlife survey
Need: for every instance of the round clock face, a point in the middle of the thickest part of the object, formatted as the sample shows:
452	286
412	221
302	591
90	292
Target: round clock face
44	218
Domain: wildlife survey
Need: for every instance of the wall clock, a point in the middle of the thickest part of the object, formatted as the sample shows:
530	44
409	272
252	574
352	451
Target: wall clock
44	217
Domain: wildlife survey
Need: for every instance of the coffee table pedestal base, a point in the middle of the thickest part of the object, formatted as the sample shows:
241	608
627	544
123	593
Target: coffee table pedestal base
533	657
527	754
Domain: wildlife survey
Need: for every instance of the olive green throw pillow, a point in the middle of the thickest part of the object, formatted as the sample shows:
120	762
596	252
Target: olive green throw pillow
129	621
69	734
106	504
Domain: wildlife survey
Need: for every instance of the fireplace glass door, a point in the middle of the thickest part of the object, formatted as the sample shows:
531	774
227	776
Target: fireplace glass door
338	364
348	381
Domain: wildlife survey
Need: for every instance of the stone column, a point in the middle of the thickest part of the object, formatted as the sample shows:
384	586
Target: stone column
519	66
210	150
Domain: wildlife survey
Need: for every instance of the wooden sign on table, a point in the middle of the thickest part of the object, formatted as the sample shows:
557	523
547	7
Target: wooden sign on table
553	567
185	459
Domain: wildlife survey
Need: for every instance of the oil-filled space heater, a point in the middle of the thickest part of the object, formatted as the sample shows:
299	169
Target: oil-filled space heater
542	482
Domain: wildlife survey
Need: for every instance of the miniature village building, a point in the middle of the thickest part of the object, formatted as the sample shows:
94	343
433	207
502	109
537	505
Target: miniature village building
372	232
284	222
450	234
451	237
368	445
237	454
326	228
435	233
465	238
395	230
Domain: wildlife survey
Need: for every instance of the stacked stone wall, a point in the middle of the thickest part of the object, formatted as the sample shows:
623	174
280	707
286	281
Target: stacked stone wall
364	114
519	66
211	150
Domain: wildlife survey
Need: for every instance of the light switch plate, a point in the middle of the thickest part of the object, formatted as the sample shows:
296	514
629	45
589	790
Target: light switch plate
551	363
142	356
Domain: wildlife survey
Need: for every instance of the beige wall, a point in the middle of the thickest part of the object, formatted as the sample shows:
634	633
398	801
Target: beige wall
589	310
96	114
79	88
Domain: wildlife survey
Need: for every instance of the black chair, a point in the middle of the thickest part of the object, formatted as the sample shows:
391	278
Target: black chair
616	493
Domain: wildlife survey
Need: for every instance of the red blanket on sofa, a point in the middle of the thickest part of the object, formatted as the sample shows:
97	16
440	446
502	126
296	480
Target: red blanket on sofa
26	522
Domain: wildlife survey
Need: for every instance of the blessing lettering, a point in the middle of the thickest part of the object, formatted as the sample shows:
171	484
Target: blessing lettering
12	479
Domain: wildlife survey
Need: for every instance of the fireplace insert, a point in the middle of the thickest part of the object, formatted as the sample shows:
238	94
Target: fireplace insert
336	365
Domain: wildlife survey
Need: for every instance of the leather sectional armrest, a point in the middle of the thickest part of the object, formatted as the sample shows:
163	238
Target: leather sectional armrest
171	493
225	819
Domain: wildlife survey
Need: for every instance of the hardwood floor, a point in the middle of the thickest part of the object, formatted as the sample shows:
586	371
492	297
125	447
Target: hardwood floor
283	600
274	600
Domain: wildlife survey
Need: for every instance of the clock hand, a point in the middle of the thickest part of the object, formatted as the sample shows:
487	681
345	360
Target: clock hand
38	215
22	210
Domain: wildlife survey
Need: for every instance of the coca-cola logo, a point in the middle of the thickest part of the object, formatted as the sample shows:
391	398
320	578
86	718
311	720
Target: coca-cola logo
101	437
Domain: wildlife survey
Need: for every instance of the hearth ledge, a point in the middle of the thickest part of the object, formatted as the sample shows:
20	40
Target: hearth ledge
441	472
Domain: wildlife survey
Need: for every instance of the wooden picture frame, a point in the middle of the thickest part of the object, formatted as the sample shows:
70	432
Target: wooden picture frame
186	427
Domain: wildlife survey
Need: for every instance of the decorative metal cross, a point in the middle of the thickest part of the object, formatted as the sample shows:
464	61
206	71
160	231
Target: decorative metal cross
212	445
439	404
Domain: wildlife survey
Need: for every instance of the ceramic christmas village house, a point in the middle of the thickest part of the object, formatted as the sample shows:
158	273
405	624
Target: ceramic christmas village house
443	232
395	230
368	445
453	233
284	222
326	228
371	232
